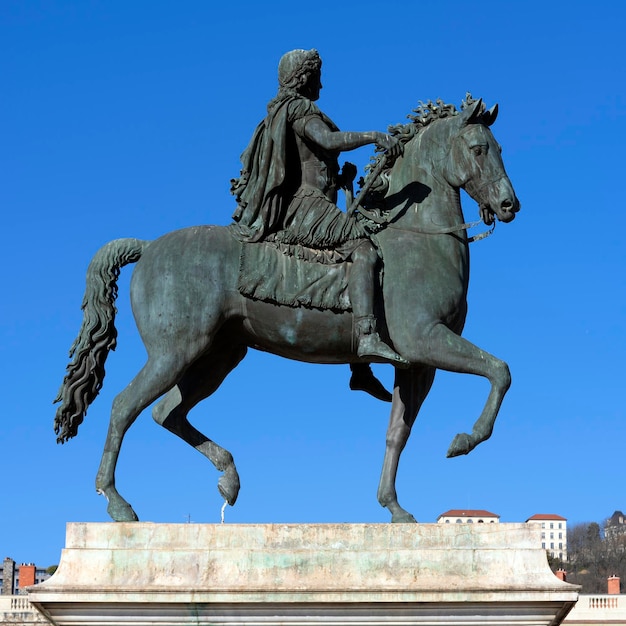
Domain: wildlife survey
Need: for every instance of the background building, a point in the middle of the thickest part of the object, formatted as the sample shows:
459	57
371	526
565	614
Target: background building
13	579
468	516
553	527
553	533
615	525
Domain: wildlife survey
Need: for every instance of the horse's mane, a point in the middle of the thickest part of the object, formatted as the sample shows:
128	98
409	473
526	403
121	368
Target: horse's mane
423	115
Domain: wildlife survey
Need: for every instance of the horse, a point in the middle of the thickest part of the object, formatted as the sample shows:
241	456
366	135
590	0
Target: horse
196	325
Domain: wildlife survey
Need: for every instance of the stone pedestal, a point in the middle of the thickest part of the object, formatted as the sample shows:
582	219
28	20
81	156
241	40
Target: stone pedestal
259	575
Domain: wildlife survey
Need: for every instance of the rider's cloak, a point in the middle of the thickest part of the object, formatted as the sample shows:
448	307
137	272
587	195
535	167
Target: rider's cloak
268	181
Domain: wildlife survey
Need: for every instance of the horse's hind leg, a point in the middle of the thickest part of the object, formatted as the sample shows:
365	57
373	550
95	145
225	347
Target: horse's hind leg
201	379
154	379
451	352
410	389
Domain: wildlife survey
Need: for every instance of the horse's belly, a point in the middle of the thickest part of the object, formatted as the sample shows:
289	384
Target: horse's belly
302	334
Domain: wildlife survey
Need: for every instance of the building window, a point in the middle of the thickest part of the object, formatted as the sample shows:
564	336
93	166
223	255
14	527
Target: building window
560	535
481	521
552	546
551	535
459	521
543	544
560	525
447	521
560	546
470	521
543	535
543	524
551	524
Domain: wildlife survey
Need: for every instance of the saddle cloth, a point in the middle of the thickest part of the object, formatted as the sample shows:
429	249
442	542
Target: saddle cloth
294	276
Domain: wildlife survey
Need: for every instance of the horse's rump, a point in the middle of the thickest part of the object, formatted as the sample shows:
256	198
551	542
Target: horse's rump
294	276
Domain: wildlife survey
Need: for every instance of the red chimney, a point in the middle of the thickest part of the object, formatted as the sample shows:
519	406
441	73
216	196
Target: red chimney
613	585
561	574
27	575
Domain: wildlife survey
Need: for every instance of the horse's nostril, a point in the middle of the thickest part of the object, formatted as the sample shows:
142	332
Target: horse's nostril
510	205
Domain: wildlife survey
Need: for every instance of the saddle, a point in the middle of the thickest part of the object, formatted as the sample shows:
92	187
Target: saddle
294	275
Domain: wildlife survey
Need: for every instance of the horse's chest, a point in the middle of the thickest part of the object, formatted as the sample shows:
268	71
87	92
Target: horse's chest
427	280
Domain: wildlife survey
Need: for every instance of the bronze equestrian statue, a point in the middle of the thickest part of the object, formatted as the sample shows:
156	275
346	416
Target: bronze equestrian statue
297	277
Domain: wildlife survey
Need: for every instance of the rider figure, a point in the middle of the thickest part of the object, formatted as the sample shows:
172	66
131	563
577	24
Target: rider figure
288	188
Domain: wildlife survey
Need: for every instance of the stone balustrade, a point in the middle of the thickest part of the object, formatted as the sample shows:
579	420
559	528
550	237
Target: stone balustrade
603	602
18	610
598	609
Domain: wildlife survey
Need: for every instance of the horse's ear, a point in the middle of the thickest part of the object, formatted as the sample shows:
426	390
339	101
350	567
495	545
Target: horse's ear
489	117
473	112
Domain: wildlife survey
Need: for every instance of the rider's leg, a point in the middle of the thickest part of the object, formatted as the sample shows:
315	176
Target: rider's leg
363	379
361	289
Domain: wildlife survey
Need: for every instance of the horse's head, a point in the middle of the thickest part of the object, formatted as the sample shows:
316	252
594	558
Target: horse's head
475	164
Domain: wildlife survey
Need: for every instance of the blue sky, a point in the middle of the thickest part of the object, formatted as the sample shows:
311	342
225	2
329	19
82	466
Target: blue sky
127	119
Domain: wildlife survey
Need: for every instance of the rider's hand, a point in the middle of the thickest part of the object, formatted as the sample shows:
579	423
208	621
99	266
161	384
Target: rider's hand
390	145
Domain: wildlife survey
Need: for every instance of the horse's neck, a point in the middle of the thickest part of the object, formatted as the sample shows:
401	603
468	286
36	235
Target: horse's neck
419	187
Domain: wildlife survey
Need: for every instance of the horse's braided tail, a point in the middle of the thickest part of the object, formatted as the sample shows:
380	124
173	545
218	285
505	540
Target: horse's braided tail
85	373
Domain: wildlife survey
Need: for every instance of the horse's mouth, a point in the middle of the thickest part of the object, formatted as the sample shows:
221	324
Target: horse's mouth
487	215
506	213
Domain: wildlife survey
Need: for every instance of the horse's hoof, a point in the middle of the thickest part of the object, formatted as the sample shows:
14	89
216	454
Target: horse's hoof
228	485
122	513
461	444
403	518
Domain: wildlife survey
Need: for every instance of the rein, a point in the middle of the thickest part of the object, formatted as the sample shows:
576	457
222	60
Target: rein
387	222
449	230
356	204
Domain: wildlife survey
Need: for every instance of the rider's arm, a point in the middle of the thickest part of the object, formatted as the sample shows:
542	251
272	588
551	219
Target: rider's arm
317	130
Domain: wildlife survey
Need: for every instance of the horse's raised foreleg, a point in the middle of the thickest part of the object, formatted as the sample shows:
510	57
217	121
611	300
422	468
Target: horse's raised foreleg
201	379
449	351
410	389
155	378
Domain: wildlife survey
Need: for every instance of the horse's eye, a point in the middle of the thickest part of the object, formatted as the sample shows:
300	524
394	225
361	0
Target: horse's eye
478	150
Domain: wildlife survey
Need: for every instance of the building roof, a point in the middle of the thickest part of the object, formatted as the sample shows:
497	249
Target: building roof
617	519
546	516
468	513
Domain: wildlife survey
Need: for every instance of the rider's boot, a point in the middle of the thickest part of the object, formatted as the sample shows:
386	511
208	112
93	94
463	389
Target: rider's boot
363	379
371	346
